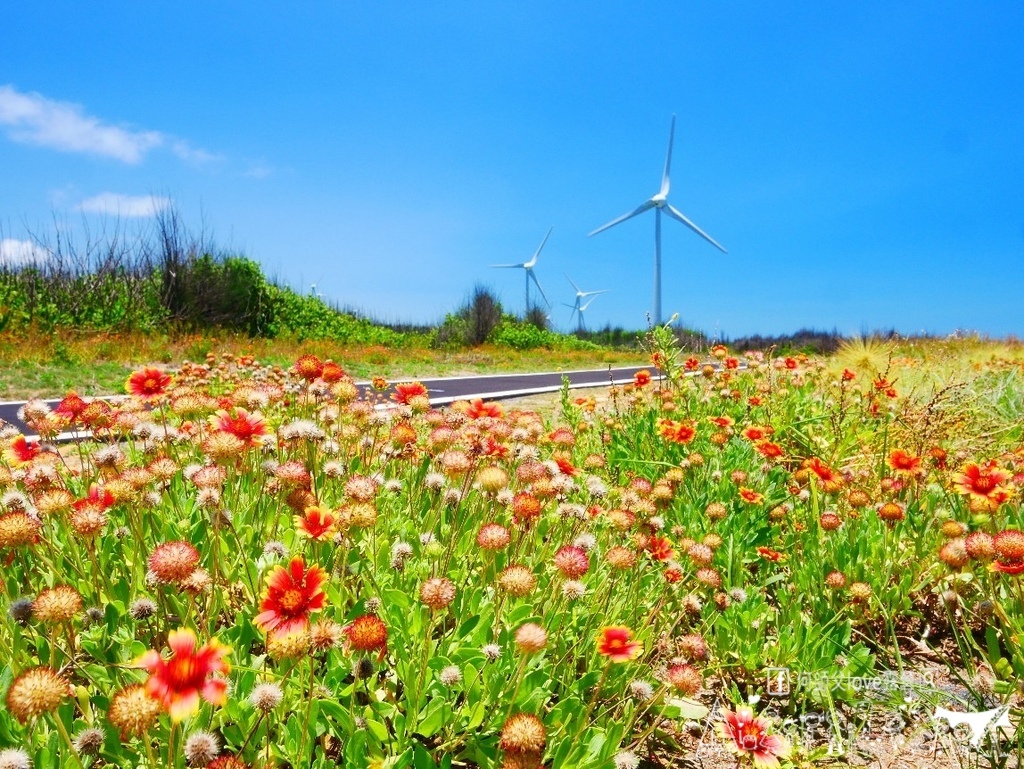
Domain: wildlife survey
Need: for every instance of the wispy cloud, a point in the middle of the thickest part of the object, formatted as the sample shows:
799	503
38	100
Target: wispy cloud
259	171
115	204
31	118
16	252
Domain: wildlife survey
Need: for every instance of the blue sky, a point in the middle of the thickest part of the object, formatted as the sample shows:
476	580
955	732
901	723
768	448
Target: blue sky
861	162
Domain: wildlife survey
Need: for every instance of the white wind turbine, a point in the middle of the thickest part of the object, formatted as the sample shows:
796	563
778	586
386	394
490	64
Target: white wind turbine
576	309
528	266
659	203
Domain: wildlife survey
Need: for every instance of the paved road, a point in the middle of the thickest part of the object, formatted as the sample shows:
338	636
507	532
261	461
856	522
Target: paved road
444	390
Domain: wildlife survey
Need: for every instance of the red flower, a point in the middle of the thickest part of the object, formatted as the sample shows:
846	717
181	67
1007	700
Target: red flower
248	428
768	449
677	432
178	683
292	594
723	421
732	363
564	464
770	555
406	391
642	378
332	372
848	376
691	364
478	408
491	448
367	633
1010	567
98	497
660	549
749	736
317	522
21	451
750	496
71	407
615	644
147	383
983	485
902	462
756	433
829	480
309	367
525	506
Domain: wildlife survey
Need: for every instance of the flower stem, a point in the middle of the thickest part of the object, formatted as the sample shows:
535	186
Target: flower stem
67	739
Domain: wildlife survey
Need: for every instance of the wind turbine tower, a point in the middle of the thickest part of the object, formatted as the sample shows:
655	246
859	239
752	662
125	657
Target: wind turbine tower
659	203
528	267
577	310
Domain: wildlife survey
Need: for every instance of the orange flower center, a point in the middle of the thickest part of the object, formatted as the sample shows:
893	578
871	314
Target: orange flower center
291	600
983	484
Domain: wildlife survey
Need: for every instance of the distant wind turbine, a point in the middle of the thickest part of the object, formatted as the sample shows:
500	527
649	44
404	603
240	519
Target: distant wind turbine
528	266
576	309
660	203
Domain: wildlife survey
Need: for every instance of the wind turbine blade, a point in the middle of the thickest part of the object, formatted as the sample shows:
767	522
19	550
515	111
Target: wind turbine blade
584	307
591	293
665	183
537	284
536	253
678	216
503	266
647	205
571	283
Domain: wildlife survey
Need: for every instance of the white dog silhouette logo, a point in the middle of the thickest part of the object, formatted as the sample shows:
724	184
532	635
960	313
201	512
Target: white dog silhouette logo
980	722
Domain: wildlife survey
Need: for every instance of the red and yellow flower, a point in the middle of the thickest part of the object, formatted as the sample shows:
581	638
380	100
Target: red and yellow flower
904	463
747	735
406	392
986	486
677	432
249	428
292	594
318	522
477	409
147	383
189	674
615	643
21	451
750	496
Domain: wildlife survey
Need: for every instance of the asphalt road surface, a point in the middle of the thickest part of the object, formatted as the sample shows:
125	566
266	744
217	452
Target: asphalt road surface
445	390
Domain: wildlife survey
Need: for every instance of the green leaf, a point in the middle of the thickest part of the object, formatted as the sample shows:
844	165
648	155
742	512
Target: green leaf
433	720
683	708
380	732
421	758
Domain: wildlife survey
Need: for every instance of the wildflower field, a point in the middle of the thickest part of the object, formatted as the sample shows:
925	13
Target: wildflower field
253	566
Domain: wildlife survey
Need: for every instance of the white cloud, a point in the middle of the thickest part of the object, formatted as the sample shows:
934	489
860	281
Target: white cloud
259	171
31	118
18	252
114	204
